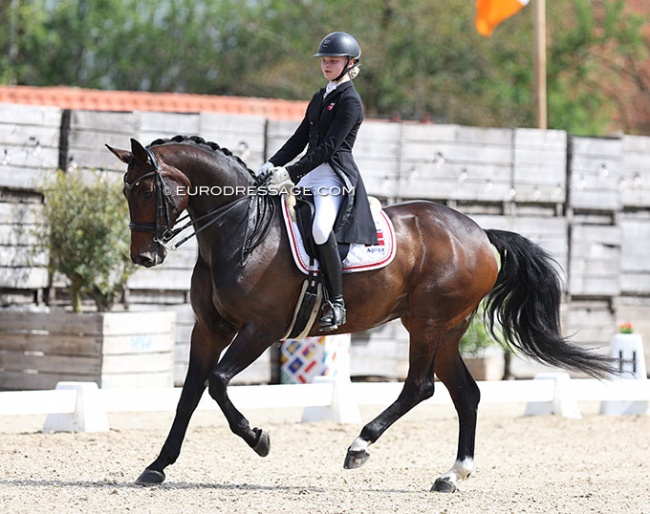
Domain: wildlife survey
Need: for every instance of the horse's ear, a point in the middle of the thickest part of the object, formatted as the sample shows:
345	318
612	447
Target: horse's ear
122	155
139	153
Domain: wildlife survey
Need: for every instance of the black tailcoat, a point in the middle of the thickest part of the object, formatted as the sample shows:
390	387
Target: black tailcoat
329	130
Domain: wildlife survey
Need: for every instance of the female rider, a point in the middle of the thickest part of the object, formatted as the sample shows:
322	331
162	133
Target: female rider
329	130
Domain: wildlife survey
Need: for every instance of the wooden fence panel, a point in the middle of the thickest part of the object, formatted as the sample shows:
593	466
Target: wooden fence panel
377	152
635	180
457	163
29	145
91	130
595	166
277	133
540	165
242	135
162	125
635	252
22	265
595	260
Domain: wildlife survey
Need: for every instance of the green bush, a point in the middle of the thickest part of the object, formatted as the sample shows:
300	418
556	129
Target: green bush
476	338
85	231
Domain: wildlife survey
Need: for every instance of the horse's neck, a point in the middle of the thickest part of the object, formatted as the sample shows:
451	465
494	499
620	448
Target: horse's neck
214	185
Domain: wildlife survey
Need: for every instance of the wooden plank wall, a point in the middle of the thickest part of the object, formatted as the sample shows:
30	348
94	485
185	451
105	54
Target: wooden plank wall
583	199
117	349
48	351
29	145
539	175
377	152
29	149
635	218
450	162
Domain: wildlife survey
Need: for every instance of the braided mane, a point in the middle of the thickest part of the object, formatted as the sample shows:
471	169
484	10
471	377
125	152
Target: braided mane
210	145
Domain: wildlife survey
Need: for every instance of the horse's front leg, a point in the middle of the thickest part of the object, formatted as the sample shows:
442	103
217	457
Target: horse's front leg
244	350
205	348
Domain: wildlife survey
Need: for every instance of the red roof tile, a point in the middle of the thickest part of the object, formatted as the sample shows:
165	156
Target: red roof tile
96	100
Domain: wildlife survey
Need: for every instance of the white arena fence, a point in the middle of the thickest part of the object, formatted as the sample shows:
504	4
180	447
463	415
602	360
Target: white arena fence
82	407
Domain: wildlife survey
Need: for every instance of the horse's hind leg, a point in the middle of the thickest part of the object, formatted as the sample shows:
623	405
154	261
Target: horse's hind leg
418	386
205	349
465	394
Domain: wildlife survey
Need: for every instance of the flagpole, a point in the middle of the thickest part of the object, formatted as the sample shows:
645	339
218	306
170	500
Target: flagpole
539	26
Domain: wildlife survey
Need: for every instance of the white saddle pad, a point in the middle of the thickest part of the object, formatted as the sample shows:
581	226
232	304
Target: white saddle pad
360	257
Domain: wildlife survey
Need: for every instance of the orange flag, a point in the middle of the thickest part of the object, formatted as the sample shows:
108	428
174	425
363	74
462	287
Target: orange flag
489	13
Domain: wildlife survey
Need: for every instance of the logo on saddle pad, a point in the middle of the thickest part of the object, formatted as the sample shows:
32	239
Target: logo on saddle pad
360	257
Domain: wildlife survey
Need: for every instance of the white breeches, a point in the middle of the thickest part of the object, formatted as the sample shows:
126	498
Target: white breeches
328	197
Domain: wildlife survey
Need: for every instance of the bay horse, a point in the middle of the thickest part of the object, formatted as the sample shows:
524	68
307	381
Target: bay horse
245	286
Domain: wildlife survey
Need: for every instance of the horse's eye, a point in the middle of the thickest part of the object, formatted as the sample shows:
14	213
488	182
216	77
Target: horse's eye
147	194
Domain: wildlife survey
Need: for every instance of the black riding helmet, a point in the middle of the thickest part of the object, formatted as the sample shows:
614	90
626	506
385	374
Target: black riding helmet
340	44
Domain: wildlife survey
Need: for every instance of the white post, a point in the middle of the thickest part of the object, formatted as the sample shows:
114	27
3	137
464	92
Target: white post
563	402
628	350
88	416
343	408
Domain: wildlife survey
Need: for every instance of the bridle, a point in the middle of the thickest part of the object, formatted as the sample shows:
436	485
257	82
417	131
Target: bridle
165	232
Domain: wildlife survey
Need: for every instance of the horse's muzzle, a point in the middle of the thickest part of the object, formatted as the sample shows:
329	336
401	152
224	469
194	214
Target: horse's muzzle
149	259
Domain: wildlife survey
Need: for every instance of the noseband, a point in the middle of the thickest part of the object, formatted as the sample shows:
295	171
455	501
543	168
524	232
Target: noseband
163	232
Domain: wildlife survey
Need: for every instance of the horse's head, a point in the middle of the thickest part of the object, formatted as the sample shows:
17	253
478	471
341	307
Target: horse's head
151	188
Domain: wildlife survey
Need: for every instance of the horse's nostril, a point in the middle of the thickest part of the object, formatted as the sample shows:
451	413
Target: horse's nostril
144	260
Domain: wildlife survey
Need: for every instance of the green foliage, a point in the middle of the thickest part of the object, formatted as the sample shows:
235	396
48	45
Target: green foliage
85	230
420	58
476	338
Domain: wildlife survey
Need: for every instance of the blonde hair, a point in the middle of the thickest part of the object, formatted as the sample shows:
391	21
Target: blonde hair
354	72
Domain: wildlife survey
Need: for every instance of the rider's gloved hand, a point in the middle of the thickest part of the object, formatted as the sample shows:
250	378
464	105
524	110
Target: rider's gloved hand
265	168
280	178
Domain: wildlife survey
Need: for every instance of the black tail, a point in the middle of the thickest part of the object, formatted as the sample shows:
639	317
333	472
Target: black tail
526	303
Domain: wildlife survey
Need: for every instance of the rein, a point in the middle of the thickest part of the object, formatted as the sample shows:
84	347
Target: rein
163	233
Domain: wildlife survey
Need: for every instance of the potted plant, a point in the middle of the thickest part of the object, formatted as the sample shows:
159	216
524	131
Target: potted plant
84	231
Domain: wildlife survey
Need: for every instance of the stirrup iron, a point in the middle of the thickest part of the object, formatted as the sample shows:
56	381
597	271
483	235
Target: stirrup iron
334	317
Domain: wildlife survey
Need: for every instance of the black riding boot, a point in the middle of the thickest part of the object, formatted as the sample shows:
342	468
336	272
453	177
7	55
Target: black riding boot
330	265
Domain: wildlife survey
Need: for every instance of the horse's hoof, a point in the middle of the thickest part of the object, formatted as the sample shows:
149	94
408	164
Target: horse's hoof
150	477
355	459
263	445
443	486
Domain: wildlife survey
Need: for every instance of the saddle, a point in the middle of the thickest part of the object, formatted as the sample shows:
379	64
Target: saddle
298	212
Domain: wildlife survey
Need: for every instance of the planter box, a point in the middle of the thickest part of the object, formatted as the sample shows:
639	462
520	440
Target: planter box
488	367
112	349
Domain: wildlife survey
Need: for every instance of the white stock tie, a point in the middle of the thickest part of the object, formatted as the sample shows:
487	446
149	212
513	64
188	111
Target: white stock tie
329	88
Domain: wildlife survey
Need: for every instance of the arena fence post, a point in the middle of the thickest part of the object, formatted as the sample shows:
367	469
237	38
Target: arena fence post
88	416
